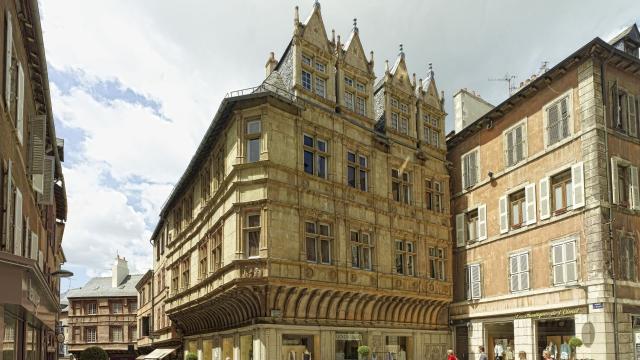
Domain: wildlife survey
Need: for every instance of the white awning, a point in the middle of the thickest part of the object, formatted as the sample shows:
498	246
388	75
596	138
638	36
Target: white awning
141	357
158	354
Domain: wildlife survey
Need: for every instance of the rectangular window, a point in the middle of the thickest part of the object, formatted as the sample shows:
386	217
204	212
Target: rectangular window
561	192
361	250
254	130
395	103
357	171
472	226
437	262
558	118
92	308
348	100
517	209
395	121
361	108
315	156
203	265
515	145
470	169
186	273
348	81
360	87
318	241
321	87
306	60
433	195
405	257
133	307
216	250
175	276
116	308
625	187
404	125
306	80
116	334
627	249
252	235
473	282
564	263
401	186
90	334
320	67
519	272
624	110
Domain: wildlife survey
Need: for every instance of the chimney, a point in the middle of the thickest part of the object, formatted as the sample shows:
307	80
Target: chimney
467	108
271	64
119	271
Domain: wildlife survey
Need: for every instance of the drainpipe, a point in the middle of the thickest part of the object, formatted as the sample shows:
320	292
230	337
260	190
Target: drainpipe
612	269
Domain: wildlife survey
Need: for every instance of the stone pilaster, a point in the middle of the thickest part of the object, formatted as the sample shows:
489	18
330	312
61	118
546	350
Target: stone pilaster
524	337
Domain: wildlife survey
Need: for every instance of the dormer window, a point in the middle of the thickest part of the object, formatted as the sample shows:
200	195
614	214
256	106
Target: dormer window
348	81
306	60
320	67
313	75
360	87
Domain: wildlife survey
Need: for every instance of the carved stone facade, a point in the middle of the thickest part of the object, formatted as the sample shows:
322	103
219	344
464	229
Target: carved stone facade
308	222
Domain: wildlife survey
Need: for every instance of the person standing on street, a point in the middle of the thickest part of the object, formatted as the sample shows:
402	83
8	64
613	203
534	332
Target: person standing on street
483	355
451	355
498	350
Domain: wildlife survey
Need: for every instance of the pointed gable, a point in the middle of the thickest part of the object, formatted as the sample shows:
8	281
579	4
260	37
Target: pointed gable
354	53
430	92
400	75
314	30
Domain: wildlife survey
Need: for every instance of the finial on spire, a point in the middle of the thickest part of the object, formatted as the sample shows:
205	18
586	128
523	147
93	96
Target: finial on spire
414	79
296	15
316	3
371	56
333	36
386	66
355	24
401	49
430	67
430	74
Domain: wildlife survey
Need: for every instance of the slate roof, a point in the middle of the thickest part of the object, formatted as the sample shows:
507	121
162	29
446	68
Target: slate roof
101	287
631	32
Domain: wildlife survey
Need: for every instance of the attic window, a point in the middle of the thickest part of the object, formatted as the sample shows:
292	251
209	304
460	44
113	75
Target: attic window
348	81
320	67
360	86
306	60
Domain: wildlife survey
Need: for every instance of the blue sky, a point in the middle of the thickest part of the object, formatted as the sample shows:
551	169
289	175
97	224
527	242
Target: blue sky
134	85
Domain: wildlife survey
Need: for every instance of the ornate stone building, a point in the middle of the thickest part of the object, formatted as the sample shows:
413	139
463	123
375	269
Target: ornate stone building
545	202
103	313
314	216
32	190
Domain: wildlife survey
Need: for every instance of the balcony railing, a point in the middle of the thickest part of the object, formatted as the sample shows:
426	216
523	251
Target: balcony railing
262	88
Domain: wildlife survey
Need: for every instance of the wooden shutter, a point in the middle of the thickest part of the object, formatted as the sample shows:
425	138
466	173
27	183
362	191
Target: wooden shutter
577	184
38	133
518	144
482	222
20	105
509	151
513	270
26	250
475	281
523	264
465	171
614	181
615	105
545	199
7	61
634	194
530	203
564	125
633	125
17	230
553	115
460	226
35	246
504	214
570	258
49	169
8	208
557	258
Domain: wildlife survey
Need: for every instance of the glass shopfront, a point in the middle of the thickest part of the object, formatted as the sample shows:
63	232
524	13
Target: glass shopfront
347	345
227	348
554	335
207	349
9	343
298	347
500	341
398	348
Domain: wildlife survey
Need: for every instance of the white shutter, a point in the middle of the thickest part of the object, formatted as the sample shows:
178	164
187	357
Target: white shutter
476	288
570	258
558	269
49	169
524	271
460	224
530	203
38	133
465	171
633	125
545	203
577	184
513	269
482	222
17	230
27	242
504	215
8	211
614	180
635	195
20	105
35	246
7	61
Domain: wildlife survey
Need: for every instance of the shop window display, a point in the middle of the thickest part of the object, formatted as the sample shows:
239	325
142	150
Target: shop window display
298	347
227	348
398	348
347	346
554	335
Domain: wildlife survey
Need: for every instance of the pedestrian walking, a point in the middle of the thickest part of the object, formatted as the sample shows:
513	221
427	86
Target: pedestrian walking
483	355
451	355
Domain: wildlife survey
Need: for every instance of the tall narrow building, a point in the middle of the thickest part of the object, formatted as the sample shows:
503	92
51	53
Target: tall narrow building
33	208
546	208
313	217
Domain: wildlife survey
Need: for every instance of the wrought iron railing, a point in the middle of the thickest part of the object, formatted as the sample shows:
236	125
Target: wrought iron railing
264	87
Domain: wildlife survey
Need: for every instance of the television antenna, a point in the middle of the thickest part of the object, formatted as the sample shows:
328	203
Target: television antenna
509	79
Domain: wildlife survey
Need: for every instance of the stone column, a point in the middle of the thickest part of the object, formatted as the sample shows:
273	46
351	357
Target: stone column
524	338
476	338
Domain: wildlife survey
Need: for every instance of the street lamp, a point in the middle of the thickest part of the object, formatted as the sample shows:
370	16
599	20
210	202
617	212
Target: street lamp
62	273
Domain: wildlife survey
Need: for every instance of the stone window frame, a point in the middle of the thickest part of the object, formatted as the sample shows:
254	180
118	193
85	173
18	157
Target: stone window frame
317	154
627	248
175	278
91	330
113	305
361	246
358	169
252	135
315	67
318	238
433	193
216	248
404	185
429	129
185	272
437	260
524	142
408	257
112	332
570	123
631	183
247	230
203	259
575	239
357	90
95	308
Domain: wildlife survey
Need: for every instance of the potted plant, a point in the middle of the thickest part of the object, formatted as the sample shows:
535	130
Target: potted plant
574	343
363	352
94	353
191	356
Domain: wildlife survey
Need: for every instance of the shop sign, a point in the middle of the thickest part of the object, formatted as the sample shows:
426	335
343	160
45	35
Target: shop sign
597	306
348	337
549	314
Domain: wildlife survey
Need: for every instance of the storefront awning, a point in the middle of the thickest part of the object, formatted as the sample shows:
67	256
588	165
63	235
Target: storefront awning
158	354
141	357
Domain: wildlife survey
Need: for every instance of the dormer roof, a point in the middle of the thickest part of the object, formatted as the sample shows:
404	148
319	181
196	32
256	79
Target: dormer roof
313	30
631	33
354	52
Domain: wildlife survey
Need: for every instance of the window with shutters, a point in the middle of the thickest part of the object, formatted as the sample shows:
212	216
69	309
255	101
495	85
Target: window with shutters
471	226
624	181
561	192
519	272
624	108
361	250
564	260
90	334
558	120
434	195
185	272
515	144
203	255
470	168
357	171
216	249
627	260
517	209
253	137
252	235
315	156
401	186
318	242
437	263
405	258
473	282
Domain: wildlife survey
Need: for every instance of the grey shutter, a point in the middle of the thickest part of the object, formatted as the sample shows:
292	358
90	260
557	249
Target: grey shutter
460	226
564	125
504	214
476	281
558	268
482	222
35	246
7	61
570	257
8	209
633	125
49	169
635	195
530	203
518	144
38	133
513	271
614	181
465	172
552	124
17	230
545	199
20	104
524	271
615	105
509	150
577	184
